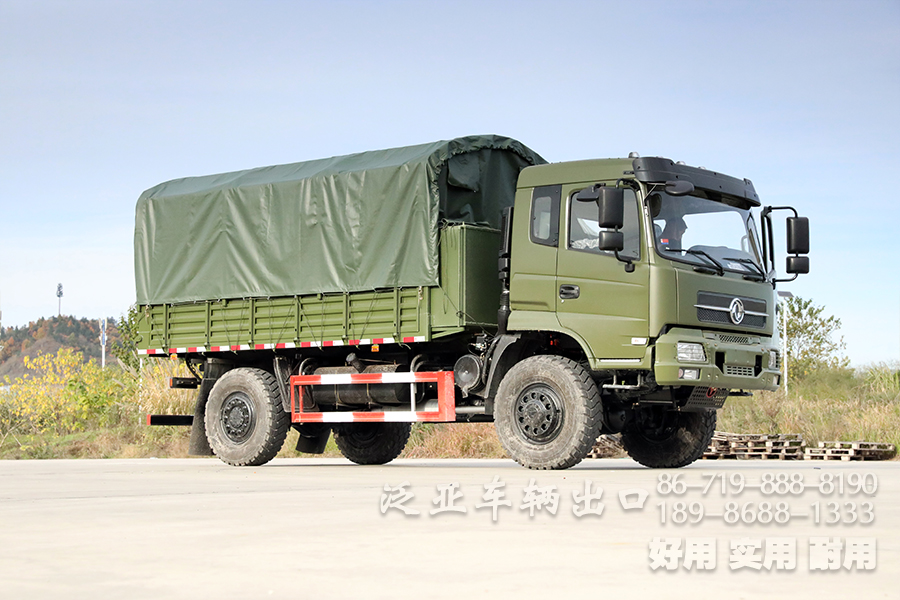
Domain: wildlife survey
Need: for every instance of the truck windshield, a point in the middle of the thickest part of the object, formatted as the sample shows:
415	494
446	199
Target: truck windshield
705	232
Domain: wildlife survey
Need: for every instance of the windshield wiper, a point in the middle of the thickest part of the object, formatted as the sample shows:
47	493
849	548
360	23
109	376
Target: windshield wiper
720	270
756	267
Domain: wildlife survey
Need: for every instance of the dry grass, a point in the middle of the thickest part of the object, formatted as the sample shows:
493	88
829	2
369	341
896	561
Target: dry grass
111	425
835	404
125	441
454	440
155	396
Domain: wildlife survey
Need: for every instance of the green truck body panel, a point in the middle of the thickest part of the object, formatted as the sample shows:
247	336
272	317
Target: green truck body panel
469	291
613	307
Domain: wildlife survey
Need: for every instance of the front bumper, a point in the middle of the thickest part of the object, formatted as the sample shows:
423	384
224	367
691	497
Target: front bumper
733	361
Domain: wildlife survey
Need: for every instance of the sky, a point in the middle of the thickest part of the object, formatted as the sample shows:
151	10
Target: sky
102	100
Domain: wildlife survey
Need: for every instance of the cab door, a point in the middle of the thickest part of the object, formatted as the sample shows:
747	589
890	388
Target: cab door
597	298
533	274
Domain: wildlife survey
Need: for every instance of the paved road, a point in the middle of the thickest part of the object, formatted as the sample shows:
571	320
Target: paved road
315	529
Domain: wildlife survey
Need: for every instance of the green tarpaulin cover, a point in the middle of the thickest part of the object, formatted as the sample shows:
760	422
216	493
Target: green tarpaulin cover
342	224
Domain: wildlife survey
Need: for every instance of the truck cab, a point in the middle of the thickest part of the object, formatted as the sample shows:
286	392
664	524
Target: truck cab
654	277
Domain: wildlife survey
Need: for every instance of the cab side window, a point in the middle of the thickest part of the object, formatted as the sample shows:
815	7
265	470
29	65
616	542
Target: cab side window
545	215
584	229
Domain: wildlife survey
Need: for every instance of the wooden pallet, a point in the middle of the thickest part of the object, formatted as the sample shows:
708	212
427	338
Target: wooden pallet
837	450
745	456
860	445
755	446
770	456
758	437
607	446
830	454
765	446
769	443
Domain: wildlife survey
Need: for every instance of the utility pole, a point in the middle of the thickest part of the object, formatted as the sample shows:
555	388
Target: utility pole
784	339
103	343
59	294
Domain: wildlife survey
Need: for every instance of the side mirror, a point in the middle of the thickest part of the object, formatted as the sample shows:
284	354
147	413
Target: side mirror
611	216
798	265
612	207
611	241
797	237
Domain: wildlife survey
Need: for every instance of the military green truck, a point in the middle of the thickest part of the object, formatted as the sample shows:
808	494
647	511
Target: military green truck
462	281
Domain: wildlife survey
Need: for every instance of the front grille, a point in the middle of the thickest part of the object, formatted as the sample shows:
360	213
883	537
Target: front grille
734	339
714	308
724	301
712	316
740	371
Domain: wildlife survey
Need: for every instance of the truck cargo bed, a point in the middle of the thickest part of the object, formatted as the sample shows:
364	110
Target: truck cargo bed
466	299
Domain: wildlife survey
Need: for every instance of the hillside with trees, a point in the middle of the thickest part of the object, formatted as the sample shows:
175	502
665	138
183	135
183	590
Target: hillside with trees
47	336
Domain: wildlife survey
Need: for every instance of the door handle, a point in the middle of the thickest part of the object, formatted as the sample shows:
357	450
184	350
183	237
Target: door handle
569	292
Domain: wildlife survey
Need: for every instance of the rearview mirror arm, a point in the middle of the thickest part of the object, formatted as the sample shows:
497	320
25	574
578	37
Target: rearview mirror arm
767	226
629	262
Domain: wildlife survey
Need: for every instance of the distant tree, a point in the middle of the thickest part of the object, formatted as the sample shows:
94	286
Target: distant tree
79	334
812	336
125	348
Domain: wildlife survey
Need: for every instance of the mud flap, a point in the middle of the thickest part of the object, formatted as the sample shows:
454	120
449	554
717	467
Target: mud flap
199	445
313	437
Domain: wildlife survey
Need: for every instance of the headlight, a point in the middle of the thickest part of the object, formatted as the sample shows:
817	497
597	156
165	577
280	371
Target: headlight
690	352
773	359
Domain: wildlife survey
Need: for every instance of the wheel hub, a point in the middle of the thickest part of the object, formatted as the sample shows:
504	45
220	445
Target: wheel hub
238	417
538	414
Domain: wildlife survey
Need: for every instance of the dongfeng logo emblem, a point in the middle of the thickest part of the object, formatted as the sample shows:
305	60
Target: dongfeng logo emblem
736	311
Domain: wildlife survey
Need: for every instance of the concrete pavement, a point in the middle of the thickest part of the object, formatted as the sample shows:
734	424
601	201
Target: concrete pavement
312	528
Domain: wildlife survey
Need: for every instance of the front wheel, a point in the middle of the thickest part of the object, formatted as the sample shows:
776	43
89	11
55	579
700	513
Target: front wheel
660	438
371	443
547	412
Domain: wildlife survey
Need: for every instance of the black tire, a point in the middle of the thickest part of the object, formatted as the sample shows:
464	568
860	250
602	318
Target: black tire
547	412
371	443
245	422
668	439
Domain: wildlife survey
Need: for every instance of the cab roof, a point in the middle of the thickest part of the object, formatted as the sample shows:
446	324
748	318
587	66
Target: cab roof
651	169
578	171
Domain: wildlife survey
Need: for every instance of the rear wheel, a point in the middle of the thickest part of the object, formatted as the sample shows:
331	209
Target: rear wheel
245	422
547	412
371	443
660	438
